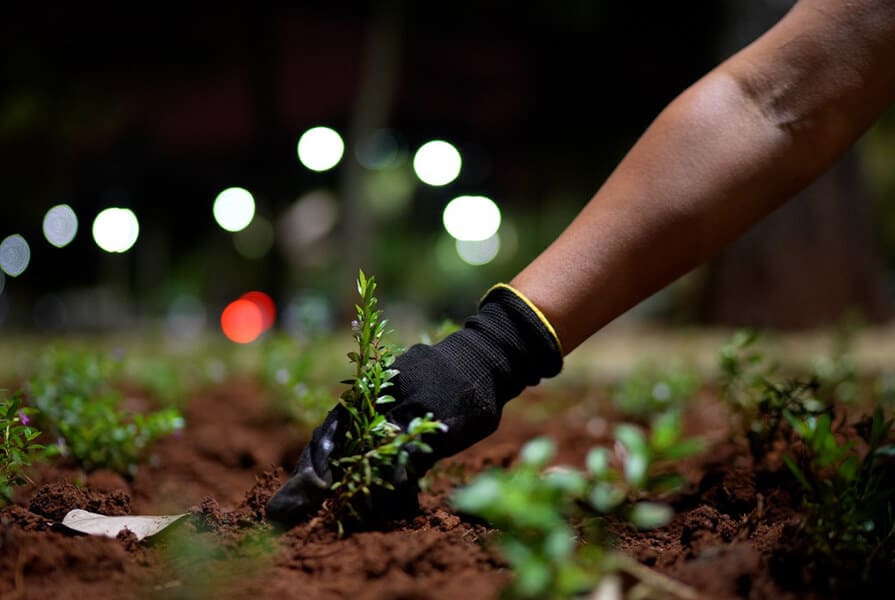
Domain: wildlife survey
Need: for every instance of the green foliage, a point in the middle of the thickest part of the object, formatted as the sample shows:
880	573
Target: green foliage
373	447
849	492
649	390
77	403
287	373
18	447
762	400
846	475
161	376
553	523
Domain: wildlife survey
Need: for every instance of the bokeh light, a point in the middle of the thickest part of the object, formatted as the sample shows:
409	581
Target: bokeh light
306	223
15	254
60	225
116	229
242	321
478	252
266	305
256	240
320	148
234	209
471	218
437	163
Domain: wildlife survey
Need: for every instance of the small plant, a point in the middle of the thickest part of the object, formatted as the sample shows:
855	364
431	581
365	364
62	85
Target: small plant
18	448
649	391
846	475
848	493
762	401
554	523
76	402
374	449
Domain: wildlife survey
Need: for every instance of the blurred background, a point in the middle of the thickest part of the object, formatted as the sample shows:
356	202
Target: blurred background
157	166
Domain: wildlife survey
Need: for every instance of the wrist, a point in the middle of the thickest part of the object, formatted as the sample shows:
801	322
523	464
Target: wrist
507	346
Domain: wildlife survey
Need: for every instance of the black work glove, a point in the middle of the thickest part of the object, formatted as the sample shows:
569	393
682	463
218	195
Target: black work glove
464	381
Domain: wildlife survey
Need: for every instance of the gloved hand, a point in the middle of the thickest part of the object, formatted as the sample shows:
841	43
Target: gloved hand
464	381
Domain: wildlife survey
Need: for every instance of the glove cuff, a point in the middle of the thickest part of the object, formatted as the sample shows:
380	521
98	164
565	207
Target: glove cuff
507	346
504	292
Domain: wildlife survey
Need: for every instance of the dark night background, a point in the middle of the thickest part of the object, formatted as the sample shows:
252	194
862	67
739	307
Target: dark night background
158	110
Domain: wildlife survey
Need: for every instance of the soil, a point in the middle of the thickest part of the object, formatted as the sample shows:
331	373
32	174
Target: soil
728	540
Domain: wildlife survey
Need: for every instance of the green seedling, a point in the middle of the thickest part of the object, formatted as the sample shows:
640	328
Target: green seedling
761	400
374	448
848	494
554	523
18	446
846	476
649	390
78	405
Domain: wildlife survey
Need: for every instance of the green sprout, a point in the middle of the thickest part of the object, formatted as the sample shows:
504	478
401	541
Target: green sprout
18	447
76	401
845	475
761	400
848	493
554	522
373	448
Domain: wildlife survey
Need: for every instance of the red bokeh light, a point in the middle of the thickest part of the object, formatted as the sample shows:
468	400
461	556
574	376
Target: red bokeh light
265	304
242	321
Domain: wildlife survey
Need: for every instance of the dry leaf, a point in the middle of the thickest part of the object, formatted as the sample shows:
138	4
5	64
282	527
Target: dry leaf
95	524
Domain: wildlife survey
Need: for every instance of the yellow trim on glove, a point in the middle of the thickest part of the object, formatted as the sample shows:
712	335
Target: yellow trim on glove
534	309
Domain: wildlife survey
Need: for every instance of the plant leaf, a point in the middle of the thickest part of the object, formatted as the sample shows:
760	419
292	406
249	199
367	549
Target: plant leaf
102	525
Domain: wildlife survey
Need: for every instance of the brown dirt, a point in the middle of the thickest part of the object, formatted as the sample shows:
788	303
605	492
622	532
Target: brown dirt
730	530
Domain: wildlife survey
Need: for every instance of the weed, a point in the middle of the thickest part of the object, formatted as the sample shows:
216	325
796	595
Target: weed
18	448
848	492
762	400
76	402
543	515
846	477
374	449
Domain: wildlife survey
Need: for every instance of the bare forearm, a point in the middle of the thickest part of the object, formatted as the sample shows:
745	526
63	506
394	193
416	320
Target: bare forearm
679	195
724	154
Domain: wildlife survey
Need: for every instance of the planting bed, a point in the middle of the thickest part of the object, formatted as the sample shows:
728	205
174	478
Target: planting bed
728	539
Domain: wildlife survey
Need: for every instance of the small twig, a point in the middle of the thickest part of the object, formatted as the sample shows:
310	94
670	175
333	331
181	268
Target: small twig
655	580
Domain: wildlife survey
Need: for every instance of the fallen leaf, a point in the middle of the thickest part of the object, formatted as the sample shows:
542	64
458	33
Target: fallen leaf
95	524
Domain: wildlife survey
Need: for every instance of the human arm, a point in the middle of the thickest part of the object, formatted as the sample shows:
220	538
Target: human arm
729	150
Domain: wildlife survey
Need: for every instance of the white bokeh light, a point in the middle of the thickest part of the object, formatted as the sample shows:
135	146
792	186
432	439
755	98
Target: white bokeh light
15	254
480	252
437	163
471	218
60	225
234	209
116	229
320	148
